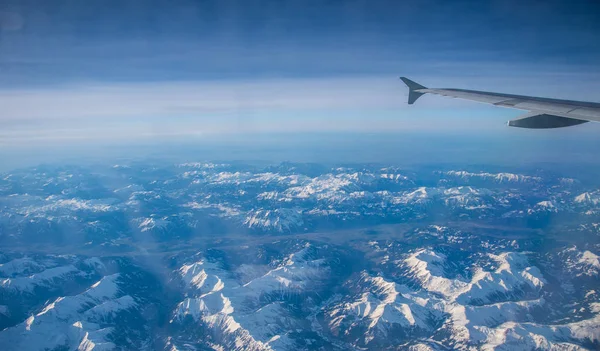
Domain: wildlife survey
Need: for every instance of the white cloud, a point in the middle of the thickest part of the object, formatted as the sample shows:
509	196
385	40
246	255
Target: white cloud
91	111
125	110
188	98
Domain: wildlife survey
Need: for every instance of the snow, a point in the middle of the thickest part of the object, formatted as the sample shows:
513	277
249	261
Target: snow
394	177
204	165
195	276
224	211
148	224
285	180
491	323
528	336
56	204
497	177
590	259
581	263
495	313
109	309
267	200
4	311
323	187
589	198
224	306
547	206
207	305
381	306
268	195
95	263
420	195
490	296
420	347
466	196
511	277
427	267
19	266
296	272
43	278
280	220
130	189
46	329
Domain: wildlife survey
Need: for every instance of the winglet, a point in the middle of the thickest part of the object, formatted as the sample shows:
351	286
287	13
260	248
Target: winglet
412	86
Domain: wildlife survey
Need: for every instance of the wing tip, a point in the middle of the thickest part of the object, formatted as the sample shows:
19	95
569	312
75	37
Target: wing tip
413	95
412	85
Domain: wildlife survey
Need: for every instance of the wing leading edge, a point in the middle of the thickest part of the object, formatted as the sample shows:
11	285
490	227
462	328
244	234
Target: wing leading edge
543	112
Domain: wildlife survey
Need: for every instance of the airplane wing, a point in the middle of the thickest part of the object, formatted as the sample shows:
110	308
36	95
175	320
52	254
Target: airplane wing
543	112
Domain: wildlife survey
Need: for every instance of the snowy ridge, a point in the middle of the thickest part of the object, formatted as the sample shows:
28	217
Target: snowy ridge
427	267
20	266
467	196
546	206
236	313
213	308
421	195
422	260
279	220
109	309
75	314
148	224
47	277
393	174
323	187
282	198
380	307
512	276
531	336
496	313
581	263
65	206
588	198
204	165
294	275
202	275
223	211
497	177
482	311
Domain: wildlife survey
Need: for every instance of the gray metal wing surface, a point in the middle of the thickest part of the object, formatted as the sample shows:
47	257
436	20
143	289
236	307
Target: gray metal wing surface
543	112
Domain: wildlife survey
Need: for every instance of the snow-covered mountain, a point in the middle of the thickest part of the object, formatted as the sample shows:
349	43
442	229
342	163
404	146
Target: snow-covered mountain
72	302
588	198
251	313
214	256
289	198
279	220
503	177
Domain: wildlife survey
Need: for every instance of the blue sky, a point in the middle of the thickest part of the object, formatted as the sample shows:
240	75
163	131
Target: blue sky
64	41
118	69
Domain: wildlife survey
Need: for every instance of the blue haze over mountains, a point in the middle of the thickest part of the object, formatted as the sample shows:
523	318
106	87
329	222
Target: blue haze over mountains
284	256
